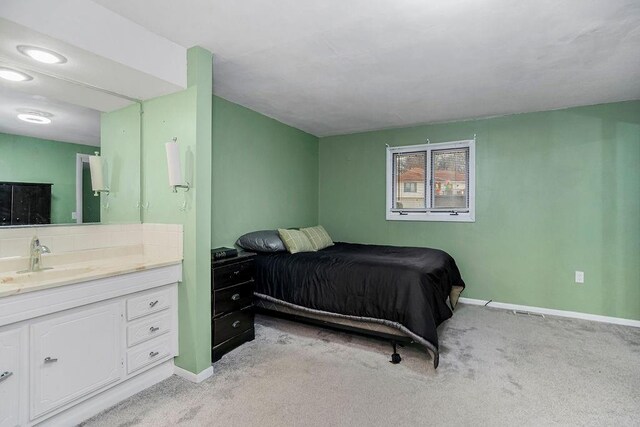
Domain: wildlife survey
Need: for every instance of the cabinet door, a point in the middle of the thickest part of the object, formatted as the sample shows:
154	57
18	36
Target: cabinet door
10	377
74	354
21	201
40	205
5	204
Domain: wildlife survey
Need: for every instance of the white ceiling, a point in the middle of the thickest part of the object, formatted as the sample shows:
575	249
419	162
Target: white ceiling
82	66
69	123
335	66
68	90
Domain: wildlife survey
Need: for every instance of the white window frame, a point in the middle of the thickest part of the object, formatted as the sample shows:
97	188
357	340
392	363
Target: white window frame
429	214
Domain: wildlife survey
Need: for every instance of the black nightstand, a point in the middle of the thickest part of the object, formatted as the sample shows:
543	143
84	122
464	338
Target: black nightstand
232	303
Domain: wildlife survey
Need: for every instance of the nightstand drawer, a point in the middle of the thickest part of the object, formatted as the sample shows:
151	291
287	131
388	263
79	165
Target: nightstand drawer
221	349
232	298
148	328
233	274
226	327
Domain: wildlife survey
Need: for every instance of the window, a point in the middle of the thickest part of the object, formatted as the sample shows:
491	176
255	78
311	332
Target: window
410	187
431	182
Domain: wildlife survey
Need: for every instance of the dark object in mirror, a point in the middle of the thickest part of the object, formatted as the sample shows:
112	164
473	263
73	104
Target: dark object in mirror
25	203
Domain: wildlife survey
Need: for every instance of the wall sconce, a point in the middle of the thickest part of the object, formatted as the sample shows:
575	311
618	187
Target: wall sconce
97	175
175	167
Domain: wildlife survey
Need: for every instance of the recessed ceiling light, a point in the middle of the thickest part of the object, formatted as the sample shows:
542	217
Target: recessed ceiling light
34	118
14	75
42	55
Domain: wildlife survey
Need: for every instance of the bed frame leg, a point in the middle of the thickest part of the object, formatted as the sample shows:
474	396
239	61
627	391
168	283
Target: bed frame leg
395	357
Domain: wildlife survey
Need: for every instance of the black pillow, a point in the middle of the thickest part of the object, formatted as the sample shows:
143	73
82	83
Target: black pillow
261	241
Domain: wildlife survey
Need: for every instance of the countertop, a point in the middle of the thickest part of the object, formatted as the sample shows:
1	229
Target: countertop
69	272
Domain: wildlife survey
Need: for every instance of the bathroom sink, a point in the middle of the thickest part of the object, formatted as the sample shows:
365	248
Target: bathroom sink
43	275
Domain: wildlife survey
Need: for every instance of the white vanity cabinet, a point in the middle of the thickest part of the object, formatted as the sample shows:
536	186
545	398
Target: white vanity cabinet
12	376
74	354
69	352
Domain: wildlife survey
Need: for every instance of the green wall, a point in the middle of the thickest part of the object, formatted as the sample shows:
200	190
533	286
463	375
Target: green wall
120	141
556	192
265	174
26	159
163	118
134	143
187	116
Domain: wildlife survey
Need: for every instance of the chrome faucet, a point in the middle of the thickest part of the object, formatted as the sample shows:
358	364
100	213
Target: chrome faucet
35	254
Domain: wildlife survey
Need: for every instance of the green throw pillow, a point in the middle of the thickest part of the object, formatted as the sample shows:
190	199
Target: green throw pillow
295	241
318	236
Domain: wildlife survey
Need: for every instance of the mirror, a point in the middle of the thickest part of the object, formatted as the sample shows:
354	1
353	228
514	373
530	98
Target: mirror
50	125
44	162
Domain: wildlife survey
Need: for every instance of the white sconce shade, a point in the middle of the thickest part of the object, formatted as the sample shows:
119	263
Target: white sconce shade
174	166
173	162
97	175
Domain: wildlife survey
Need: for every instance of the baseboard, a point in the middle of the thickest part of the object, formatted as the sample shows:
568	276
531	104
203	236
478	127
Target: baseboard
554	312
190	376
93	406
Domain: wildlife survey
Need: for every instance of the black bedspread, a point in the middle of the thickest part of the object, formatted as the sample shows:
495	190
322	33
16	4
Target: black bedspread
409	286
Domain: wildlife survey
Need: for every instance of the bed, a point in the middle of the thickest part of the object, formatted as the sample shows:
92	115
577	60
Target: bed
396	293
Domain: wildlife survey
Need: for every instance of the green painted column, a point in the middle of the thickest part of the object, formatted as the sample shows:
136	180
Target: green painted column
195	298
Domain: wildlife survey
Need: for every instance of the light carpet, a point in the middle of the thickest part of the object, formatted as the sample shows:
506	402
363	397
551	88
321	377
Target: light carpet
496	368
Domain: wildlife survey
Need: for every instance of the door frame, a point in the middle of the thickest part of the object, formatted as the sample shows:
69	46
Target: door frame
80	160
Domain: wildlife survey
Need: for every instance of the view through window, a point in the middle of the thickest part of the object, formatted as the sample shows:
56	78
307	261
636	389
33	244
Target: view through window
429	181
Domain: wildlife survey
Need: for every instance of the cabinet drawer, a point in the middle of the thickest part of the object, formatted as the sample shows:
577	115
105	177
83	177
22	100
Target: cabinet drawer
148	303
149	352
145	329
232	324
232	298
233	274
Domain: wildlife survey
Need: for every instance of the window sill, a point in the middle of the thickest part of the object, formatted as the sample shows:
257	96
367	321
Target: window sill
438	217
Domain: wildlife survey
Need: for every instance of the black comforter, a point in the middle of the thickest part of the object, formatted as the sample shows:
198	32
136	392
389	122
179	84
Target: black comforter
408	286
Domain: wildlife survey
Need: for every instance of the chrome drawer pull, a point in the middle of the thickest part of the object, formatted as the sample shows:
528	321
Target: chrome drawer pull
154	329
153	303
236	324
153	354
235	297
5	375
236	272
50	359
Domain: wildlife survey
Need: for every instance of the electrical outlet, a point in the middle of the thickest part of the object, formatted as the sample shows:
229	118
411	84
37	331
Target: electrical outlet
74	215
579	276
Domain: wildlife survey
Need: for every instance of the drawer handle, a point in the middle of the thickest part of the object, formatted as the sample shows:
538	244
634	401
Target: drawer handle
50	359
153	303
236	272
5	375
235	324
154	329
153	354
235	297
